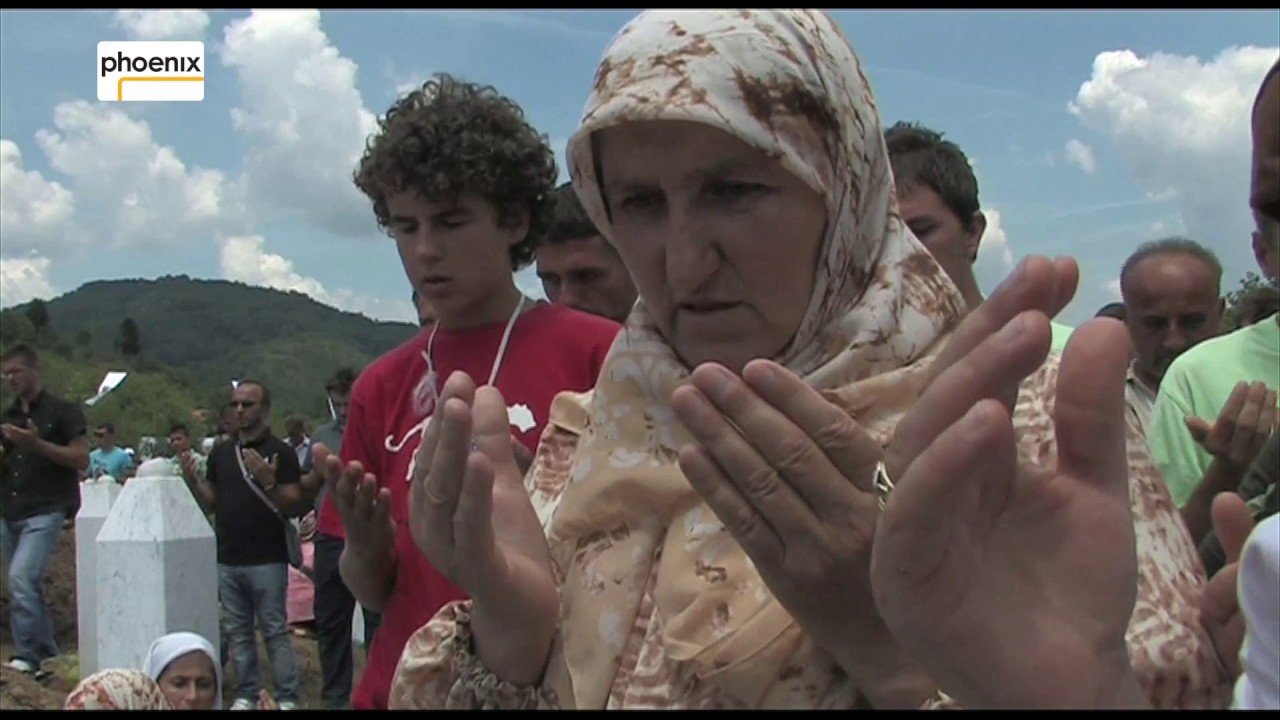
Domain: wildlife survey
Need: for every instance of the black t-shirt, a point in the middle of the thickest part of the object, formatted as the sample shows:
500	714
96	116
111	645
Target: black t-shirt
248	532
30	483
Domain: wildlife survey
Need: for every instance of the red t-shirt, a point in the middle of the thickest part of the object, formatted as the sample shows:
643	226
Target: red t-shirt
551	349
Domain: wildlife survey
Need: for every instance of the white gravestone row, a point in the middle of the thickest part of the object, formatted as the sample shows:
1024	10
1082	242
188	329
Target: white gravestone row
153	570
96	499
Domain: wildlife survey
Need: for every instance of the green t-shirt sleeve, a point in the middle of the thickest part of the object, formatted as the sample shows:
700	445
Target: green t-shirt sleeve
1060	335
1178	457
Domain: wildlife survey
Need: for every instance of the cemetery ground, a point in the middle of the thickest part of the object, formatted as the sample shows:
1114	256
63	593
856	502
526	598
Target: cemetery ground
19	692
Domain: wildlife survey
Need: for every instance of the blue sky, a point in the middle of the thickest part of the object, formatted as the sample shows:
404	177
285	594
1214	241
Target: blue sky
1091	132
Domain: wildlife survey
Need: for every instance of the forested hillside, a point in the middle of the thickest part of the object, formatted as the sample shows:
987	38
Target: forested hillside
184	340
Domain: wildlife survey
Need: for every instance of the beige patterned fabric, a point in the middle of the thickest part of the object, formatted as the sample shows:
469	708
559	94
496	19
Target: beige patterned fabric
788	84
660	608
117	690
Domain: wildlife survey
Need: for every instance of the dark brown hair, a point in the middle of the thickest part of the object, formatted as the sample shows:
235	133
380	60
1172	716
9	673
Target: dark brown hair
451	137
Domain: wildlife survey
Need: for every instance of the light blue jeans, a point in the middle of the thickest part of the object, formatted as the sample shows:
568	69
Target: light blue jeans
258	591
27	545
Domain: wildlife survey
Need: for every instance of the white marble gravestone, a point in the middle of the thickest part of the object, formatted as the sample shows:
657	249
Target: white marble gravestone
157	568
96	499
357	627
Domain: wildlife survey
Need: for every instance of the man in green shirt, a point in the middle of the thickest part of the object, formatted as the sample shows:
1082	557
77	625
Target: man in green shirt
1195	409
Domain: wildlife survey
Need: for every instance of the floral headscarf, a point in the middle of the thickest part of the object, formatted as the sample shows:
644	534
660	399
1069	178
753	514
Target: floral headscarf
787	83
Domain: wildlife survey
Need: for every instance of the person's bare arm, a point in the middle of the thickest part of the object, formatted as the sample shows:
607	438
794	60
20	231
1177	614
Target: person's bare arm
370	574
205	493
1234	440
1219	478
73	455
285	474
312	482
289	499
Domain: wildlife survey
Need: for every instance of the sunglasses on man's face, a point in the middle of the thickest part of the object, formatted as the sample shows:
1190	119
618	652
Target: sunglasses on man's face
246	404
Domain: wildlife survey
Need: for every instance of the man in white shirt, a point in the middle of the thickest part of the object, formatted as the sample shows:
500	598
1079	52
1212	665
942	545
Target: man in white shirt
1172	302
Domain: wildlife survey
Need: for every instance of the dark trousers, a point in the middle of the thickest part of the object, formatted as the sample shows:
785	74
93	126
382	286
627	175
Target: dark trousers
334	606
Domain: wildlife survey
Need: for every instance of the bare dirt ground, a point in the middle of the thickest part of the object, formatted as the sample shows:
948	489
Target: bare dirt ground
19	692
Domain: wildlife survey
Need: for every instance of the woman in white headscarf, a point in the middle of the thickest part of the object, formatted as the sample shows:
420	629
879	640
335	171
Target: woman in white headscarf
186	667
181	672
700	528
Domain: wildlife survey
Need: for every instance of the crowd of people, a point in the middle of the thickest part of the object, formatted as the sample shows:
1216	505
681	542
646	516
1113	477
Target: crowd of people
767	445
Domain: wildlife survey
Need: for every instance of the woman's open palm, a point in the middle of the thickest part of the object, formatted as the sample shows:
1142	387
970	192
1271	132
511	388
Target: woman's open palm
471	515
1011	579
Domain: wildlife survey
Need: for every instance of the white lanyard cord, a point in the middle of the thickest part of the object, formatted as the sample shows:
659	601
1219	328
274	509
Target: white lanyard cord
432	379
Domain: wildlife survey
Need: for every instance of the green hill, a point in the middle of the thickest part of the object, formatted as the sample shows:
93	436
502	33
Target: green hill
193	338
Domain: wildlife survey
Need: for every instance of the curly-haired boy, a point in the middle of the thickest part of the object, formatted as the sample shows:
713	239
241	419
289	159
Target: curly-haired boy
463	183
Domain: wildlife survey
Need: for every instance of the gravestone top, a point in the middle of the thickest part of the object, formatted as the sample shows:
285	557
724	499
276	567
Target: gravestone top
154	468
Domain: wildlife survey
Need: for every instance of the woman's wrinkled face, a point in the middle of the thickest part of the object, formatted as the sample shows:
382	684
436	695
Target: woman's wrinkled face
190	682
721	240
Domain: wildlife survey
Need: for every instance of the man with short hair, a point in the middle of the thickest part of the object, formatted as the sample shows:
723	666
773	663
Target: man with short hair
1172	300
938	199
295	436
1259	571
1195	394
334	603
578	267
42	449
1113	310
183	454
108	460
226	425
253	557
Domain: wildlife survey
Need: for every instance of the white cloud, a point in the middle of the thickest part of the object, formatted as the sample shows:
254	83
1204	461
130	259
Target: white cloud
162	24
23	279
34	213
244	258
1081	155
304	118
404	81
1111	288
407	86
528	283
137	191
1181	125
995	256
399	309
1162	228
544	21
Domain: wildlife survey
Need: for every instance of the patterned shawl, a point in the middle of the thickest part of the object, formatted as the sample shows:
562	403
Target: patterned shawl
789	84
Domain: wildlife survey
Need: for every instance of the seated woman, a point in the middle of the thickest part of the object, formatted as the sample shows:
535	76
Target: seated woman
301	595
181	672
696	532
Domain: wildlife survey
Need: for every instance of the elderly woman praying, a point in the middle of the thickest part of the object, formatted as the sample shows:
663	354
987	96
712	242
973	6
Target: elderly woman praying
696	532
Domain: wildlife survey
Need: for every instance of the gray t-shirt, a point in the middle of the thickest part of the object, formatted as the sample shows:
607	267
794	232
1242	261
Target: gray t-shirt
329	435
